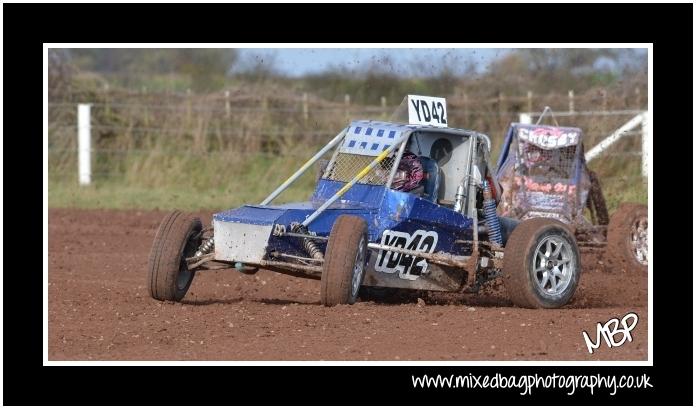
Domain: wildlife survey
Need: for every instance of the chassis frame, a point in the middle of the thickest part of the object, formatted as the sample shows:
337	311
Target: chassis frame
482	261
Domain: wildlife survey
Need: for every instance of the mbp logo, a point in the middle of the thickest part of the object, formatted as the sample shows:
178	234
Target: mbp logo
610	330
409	267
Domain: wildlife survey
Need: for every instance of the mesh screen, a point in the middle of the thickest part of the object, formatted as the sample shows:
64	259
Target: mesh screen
550	163
348	165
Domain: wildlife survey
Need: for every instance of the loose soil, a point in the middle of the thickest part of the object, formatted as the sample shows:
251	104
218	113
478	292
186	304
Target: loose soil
99	308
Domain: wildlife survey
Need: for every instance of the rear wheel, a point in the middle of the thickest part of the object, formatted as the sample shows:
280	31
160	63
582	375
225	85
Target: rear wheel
345	260
599	205
627	238
177	238
541	268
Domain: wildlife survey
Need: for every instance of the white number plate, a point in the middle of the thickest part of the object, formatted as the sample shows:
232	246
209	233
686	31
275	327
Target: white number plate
427	111
408	267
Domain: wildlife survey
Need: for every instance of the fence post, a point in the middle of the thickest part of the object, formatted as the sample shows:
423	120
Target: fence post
571	101
638	106
84	142
383	103
615	136
305	107
645	134
530	95
346	102
227	104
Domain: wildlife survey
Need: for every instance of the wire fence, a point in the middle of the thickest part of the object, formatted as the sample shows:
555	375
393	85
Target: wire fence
140	134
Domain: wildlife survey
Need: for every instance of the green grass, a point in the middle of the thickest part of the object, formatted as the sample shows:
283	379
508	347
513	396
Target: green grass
624	190
176	175
109	195
208	187
243	189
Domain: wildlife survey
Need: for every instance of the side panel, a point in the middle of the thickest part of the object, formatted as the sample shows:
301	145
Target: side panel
436	278
413	223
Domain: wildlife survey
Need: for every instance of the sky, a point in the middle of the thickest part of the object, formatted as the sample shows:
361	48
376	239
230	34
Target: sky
301	61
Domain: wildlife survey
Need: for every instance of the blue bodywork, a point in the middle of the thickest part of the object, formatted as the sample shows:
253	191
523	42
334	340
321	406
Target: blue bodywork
382	208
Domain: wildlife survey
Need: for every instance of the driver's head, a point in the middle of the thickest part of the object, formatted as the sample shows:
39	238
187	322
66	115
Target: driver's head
535	155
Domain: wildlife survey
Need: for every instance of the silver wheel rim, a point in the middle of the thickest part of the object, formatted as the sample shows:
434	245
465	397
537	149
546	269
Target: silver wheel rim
358	267
639	240
553	265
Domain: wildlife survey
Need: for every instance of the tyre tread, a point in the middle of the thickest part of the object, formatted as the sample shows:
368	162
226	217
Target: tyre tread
339	261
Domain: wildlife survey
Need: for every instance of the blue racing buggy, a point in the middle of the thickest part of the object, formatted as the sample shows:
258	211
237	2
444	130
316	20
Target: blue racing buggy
356	230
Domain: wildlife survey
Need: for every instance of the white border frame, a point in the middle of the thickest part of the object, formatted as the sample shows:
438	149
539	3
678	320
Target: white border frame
47	362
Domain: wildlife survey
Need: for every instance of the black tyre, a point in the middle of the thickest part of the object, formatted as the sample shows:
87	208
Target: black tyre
596	196
345	260
177	238
541	268
627	238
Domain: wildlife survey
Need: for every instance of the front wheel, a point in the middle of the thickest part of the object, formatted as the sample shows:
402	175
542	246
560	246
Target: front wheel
541	268
345	260
177	238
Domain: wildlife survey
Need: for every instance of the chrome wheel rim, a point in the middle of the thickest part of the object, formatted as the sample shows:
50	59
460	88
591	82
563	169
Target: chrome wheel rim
358	267
639	240
553	265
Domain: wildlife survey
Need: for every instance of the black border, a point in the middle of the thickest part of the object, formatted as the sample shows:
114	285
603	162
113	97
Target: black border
26	27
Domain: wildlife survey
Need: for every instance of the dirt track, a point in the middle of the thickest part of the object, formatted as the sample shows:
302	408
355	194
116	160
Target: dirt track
99	309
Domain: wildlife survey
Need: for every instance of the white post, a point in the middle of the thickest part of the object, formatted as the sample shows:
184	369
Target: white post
645	128
84	144
525	118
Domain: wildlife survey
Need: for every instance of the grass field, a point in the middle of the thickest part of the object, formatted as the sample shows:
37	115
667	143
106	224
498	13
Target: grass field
246	181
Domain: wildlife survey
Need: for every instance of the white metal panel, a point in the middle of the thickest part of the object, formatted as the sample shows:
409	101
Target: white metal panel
240	242
454	169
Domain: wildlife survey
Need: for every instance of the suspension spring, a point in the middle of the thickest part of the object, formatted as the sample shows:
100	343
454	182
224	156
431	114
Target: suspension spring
308	244
492	221
312	249
206	247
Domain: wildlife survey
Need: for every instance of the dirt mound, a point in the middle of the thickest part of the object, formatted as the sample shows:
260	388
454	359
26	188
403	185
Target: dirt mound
99	309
